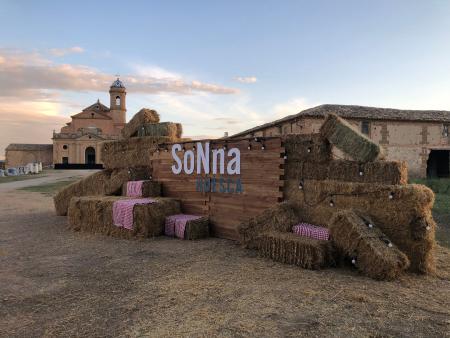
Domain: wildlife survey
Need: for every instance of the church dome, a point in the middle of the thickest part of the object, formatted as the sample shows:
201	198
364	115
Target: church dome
117	84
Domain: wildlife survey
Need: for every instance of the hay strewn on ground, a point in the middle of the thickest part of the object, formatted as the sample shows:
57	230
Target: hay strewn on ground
94	214
384	172
342	135
143	116
280	217
402	212
149	189
368	246
105	182
168	129
197	229
289	248
135	151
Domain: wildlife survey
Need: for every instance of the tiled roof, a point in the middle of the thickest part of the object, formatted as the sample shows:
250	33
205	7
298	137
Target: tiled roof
361	112
21	146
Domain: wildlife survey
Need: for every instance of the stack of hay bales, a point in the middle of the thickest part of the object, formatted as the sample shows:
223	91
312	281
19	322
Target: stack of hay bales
105	182
89	202
270	234
373	254
321	186
95	214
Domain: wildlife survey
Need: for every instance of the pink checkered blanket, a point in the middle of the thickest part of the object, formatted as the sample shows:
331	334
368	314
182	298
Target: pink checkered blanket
123	211
312	231
176	224
134	188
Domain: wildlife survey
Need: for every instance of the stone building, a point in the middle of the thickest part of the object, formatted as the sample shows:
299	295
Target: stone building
77	145
18	155
419	137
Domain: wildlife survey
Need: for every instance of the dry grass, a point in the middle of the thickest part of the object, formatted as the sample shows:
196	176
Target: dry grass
56	282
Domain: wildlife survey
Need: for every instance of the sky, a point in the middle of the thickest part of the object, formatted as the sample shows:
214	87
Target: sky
217	66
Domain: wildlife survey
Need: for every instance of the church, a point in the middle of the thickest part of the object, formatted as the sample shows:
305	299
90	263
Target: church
77	145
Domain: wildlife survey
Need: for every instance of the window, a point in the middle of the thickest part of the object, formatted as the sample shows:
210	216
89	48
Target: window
445	130
65	160
117	100
65	147
365	127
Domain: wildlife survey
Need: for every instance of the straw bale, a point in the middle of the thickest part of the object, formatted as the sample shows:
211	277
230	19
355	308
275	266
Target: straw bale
149	189
105	182
197	229
310	147
141	117
280	217
136	151
169	129
367	245
94	214
342	135
385	172
289	248
397	216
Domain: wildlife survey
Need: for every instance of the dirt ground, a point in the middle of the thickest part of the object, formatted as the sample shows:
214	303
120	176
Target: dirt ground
55	282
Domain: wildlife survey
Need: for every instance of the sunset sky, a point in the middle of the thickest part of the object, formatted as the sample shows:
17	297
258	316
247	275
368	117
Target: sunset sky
214	66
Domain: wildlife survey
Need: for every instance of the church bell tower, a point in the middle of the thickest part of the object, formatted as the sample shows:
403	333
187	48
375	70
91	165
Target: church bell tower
118	93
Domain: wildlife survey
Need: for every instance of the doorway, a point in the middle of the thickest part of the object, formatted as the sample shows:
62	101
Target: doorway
438	164
90	155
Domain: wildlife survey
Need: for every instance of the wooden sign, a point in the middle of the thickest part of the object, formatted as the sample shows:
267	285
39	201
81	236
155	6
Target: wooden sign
228	180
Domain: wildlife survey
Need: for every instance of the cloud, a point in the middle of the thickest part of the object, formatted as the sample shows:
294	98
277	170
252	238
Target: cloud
292	106
30	76
246	79
58	52
28	123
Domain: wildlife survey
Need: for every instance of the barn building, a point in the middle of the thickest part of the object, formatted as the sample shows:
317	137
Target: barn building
77	145
19	154
419	137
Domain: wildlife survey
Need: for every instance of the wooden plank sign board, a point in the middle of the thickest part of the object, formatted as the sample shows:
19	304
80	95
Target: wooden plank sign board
229	181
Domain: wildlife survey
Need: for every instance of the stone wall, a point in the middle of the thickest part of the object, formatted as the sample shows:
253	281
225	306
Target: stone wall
17	158
408	141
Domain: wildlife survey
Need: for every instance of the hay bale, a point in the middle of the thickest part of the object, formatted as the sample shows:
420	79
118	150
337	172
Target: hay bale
197	229
105	182
384	172
397	217
95	214
279	218
307	148
149	189
135	151
289	248
342	135
362	239
168	129
141	117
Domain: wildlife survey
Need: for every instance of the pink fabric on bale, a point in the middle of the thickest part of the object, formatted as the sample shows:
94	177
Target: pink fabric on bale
176	224
134	188
312	231
123	211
